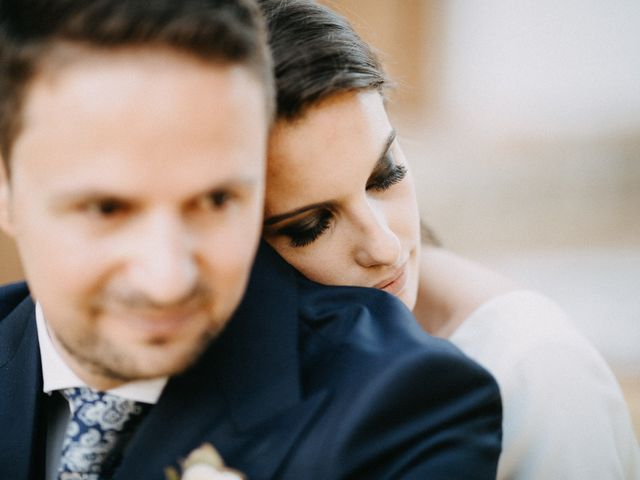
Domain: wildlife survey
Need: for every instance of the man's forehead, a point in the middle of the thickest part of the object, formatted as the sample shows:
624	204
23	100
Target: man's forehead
88	80
155	58
125	115
62	55
153	80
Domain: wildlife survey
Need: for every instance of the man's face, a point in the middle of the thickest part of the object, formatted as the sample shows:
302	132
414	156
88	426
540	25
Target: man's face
135	200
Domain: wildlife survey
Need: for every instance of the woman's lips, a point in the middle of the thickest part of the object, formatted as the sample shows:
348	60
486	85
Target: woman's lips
395	283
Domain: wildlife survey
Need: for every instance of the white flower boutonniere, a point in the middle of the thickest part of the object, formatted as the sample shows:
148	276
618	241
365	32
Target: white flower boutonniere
204	463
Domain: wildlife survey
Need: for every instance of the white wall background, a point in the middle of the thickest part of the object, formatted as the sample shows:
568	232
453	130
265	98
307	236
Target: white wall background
543	67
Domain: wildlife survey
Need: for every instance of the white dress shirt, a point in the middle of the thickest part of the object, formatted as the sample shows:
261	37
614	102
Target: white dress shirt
57	375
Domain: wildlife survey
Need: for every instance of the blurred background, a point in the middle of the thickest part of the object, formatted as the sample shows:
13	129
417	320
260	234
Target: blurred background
522	123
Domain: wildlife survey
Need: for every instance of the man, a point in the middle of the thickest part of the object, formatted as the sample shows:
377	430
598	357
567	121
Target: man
133	137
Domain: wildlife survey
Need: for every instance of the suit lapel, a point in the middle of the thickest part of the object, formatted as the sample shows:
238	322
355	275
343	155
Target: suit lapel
261	450
244	395
22	410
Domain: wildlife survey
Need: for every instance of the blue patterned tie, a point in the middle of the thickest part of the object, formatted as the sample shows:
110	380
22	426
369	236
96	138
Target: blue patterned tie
98	430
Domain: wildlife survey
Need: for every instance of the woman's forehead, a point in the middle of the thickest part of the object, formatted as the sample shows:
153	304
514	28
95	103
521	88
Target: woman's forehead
336	134
329	154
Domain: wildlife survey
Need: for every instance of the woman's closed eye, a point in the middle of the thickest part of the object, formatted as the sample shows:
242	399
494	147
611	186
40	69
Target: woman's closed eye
386	174
307	230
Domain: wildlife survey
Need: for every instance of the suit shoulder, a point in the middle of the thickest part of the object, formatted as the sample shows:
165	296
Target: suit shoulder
366	320
11	295
405	399
374	333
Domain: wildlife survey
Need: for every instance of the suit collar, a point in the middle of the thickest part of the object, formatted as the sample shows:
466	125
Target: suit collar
22	414
14	329
257	355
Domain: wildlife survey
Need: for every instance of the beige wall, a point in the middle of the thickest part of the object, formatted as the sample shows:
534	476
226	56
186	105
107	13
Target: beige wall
9	264
406	35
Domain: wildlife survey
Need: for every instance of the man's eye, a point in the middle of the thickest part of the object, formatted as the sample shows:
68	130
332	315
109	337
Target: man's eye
388	178
107	208
217	200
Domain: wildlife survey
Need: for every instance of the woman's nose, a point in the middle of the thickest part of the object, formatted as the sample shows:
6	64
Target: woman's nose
377	244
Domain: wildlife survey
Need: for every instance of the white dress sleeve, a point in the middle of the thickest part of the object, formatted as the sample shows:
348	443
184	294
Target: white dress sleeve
564	415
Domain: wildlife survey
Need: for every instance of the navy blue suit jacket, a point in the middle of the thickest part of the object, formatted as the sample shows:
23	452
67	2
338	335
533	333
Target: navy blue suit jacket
306	382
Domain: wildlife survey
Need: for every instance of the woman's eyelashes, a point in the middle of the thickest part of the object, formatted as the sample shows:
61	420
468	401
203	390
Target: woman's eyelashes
307	230
386	174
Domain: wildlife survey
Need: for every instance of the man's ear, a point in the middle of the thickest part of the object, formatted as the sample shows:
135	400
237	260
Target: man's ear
6	223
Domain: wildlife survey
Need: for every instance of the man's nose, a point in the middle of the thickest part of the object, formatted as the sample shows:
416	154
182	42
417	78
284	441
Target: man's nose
376	243
165	267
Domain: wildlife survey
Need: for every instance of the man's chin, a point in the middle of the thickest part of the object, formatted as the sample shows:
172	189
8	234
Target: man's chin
159	359
141	361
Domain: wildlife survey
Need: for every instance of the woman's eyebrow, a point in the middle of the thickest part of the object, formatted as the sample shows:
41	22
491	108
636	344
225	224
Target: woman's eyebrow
390	140
283	216
383	159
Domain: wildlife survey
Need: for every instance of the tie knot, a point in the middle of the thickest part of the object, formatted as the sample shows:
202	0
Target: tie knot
100	409
99	427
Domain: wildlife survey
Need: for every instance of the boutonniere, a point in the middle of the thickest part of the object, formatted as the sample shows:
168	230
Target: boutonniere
204	463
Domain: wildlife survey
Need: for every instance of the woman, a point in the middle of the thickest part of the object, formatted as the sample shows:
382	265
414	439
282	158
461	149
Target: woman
341	208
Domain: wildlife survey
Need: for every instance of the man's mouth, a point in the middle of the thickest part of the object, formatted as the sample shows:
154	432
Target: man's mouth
157	322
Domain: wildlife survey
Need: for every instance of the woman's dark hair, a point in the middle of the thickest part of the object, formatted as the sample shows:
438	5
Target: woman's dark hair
316	54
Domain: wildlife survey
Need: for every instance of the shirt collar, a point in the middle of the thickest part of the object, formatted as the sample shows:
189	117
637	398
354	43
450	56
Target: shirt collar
57	375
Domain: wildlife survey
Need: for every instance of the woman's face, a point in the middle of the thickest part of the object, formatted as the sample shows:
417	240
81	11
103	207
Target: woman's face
341	204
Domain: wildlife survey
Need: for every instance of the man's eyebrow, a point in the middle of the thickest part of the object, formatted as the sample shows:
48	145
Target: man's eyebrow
96	193
87	194
283	216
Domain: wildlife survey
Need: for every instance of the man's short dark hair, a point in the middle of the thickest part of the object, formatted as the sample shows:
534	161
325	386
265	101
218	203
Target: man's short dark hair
220	31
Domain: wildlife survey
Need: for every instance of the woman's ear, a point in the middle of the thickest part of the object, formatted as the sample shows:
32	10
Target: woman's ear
6	223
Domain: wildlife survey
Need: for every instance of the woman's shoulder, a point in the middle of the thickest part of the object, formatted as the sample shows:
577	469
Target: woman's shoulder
562	402
494	320
525	317
524	328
